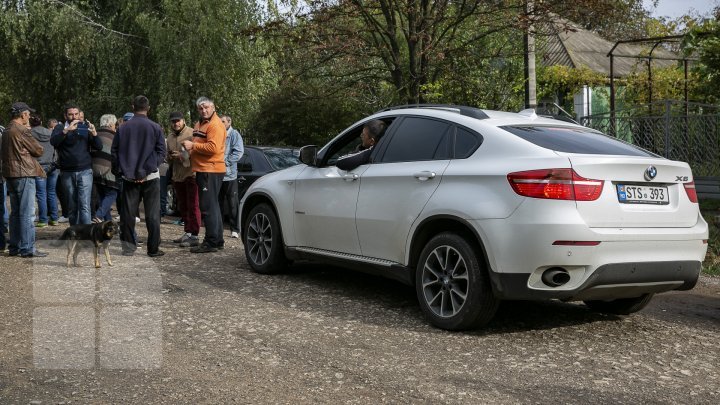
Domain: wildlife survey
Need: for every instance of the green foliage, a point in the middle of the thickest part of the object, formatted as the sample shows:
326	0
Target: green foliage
291	74
564	82
614	20
703	40
102	53
297	116
667	84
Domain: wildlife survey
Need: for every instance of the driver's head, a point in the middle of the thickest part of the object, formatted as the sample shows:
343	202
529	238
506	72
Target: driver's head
371	133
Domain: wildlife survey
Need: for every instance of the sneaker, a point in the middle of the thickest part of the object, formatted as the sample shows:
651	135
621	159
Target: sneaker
36	253
63	220
204	248
191	241
178	222
41	225
53	223
183	238
234	235
156	254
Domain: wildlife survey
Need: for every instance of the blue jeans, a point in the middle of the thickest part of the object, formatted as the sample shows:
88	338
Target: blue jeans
2	215
6	216
163	195
78	189
21	191
106	197
46	196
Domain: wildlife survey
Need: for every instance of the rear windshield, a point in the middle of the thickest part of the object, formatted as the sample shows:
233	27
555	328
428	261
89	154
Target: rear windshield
576	140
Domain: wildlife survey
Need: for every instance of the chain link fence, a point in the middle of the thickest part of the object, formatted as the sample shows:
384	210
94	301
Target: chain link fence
689	132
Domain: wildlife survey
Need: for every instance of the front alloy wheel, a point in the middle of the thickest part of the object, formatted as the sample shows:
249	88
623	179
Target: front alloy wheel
263	241
452	285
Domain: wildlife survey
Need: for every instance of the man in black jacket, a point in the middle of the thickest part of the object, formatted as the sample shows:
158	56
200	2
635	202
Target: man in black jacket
73	141
137	151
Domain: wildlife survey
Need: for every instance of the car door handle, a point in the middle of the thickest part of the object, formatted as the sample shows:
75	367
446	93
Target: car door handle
350	177
424	176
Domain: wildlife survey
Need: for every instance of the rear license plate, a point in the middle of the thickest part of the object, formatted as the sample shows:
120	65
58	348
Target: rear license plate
632	194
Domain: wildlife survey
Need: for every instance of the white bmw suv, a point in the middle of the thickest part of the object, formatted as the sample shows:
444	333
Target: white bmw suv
473	206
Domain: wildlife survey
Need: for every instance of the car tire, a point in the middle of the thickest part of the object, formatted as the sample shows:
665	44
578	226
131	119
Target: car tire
452	284
621	306
264	248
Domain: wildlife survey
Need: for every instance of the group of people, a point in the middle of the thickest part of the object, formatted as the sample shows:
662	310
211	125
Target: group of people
121	160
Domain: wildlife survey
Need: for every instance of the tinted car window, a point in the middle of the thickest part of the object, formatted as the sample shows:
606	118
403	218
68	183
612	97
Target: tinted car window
245	163
281	158
465	143
575	140
417	139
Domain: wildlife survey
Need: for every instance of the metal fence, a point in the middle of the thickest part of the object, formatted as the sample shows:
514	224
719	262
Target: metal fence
689	132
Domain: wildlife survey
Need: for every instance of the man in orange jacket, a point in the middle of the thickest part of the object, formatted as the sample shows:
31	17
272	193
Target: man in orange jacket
207	157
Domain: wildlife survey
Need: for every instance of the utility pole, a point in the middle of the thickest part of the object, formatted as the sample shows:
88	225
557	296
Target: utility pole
529	42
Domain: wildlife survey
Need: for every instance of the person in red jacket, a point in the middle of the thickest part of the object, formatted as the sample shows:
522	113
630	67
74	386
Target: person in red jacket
207	156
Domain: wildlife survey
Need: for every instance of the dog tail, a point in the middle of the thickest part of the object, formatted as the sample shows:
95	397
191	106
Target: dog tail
67	235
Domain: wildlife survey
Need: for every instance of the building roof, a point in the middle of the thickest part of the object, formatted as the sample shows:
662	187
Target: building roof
564	43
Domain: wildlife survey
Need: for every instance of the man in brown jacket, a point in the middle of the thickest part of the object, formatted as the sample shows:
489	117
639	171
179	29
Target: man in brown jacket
19	167
183	179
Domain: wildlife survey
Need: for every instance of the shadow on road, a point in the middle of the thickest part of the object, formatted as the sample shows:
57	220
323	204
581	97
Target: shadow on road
335	292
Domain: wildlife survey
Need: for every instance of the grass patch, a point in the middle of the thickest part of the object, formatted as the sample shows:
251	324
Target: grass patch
710	209
710	205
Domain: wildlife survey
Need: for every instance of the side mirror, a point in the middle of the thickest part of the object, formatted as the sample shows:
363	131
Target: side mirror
308	155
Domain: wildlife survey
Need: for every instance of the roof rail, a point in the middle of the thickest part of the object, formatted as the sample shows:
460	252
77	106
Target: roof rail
461	109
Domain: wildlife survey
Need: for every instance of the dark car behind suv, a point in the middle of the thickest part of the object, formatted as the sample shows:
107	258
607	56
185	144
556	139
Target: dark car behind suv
258	161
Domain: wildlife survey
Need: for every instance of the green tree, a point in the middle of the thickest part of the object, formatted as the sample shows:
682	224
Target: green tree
101	53
407	44
703	41
202	48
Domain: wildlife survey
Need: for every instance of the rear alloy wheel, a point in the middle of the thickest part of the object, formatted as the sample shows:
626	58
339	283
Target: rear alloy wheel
263	241
621	306
452	284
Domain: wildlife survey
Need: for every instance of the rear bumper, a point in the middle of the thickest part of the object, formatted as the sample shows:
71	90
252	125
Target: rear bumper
609	281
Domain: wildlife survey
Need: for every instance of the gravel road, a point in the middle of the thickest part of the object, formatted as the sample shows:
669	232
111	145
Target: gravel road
187	328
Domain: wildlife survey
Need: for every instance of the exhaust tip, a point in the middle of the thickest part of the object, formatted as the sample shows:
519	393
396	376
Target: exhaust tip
555	277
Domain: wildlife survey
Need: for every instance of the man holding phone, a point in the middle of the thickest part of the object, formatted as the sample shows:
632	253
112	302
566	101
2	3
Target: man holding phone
73	141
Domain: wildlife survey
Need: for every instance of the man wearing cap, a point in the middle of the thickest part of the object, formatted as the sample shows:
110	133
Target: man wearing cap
183	179
73	141
19	167
207	156
137	151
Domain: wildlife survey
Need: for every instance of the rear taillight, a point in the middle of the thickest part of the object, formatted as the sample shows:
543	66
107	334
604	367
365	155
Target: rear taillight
555	184
690	190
